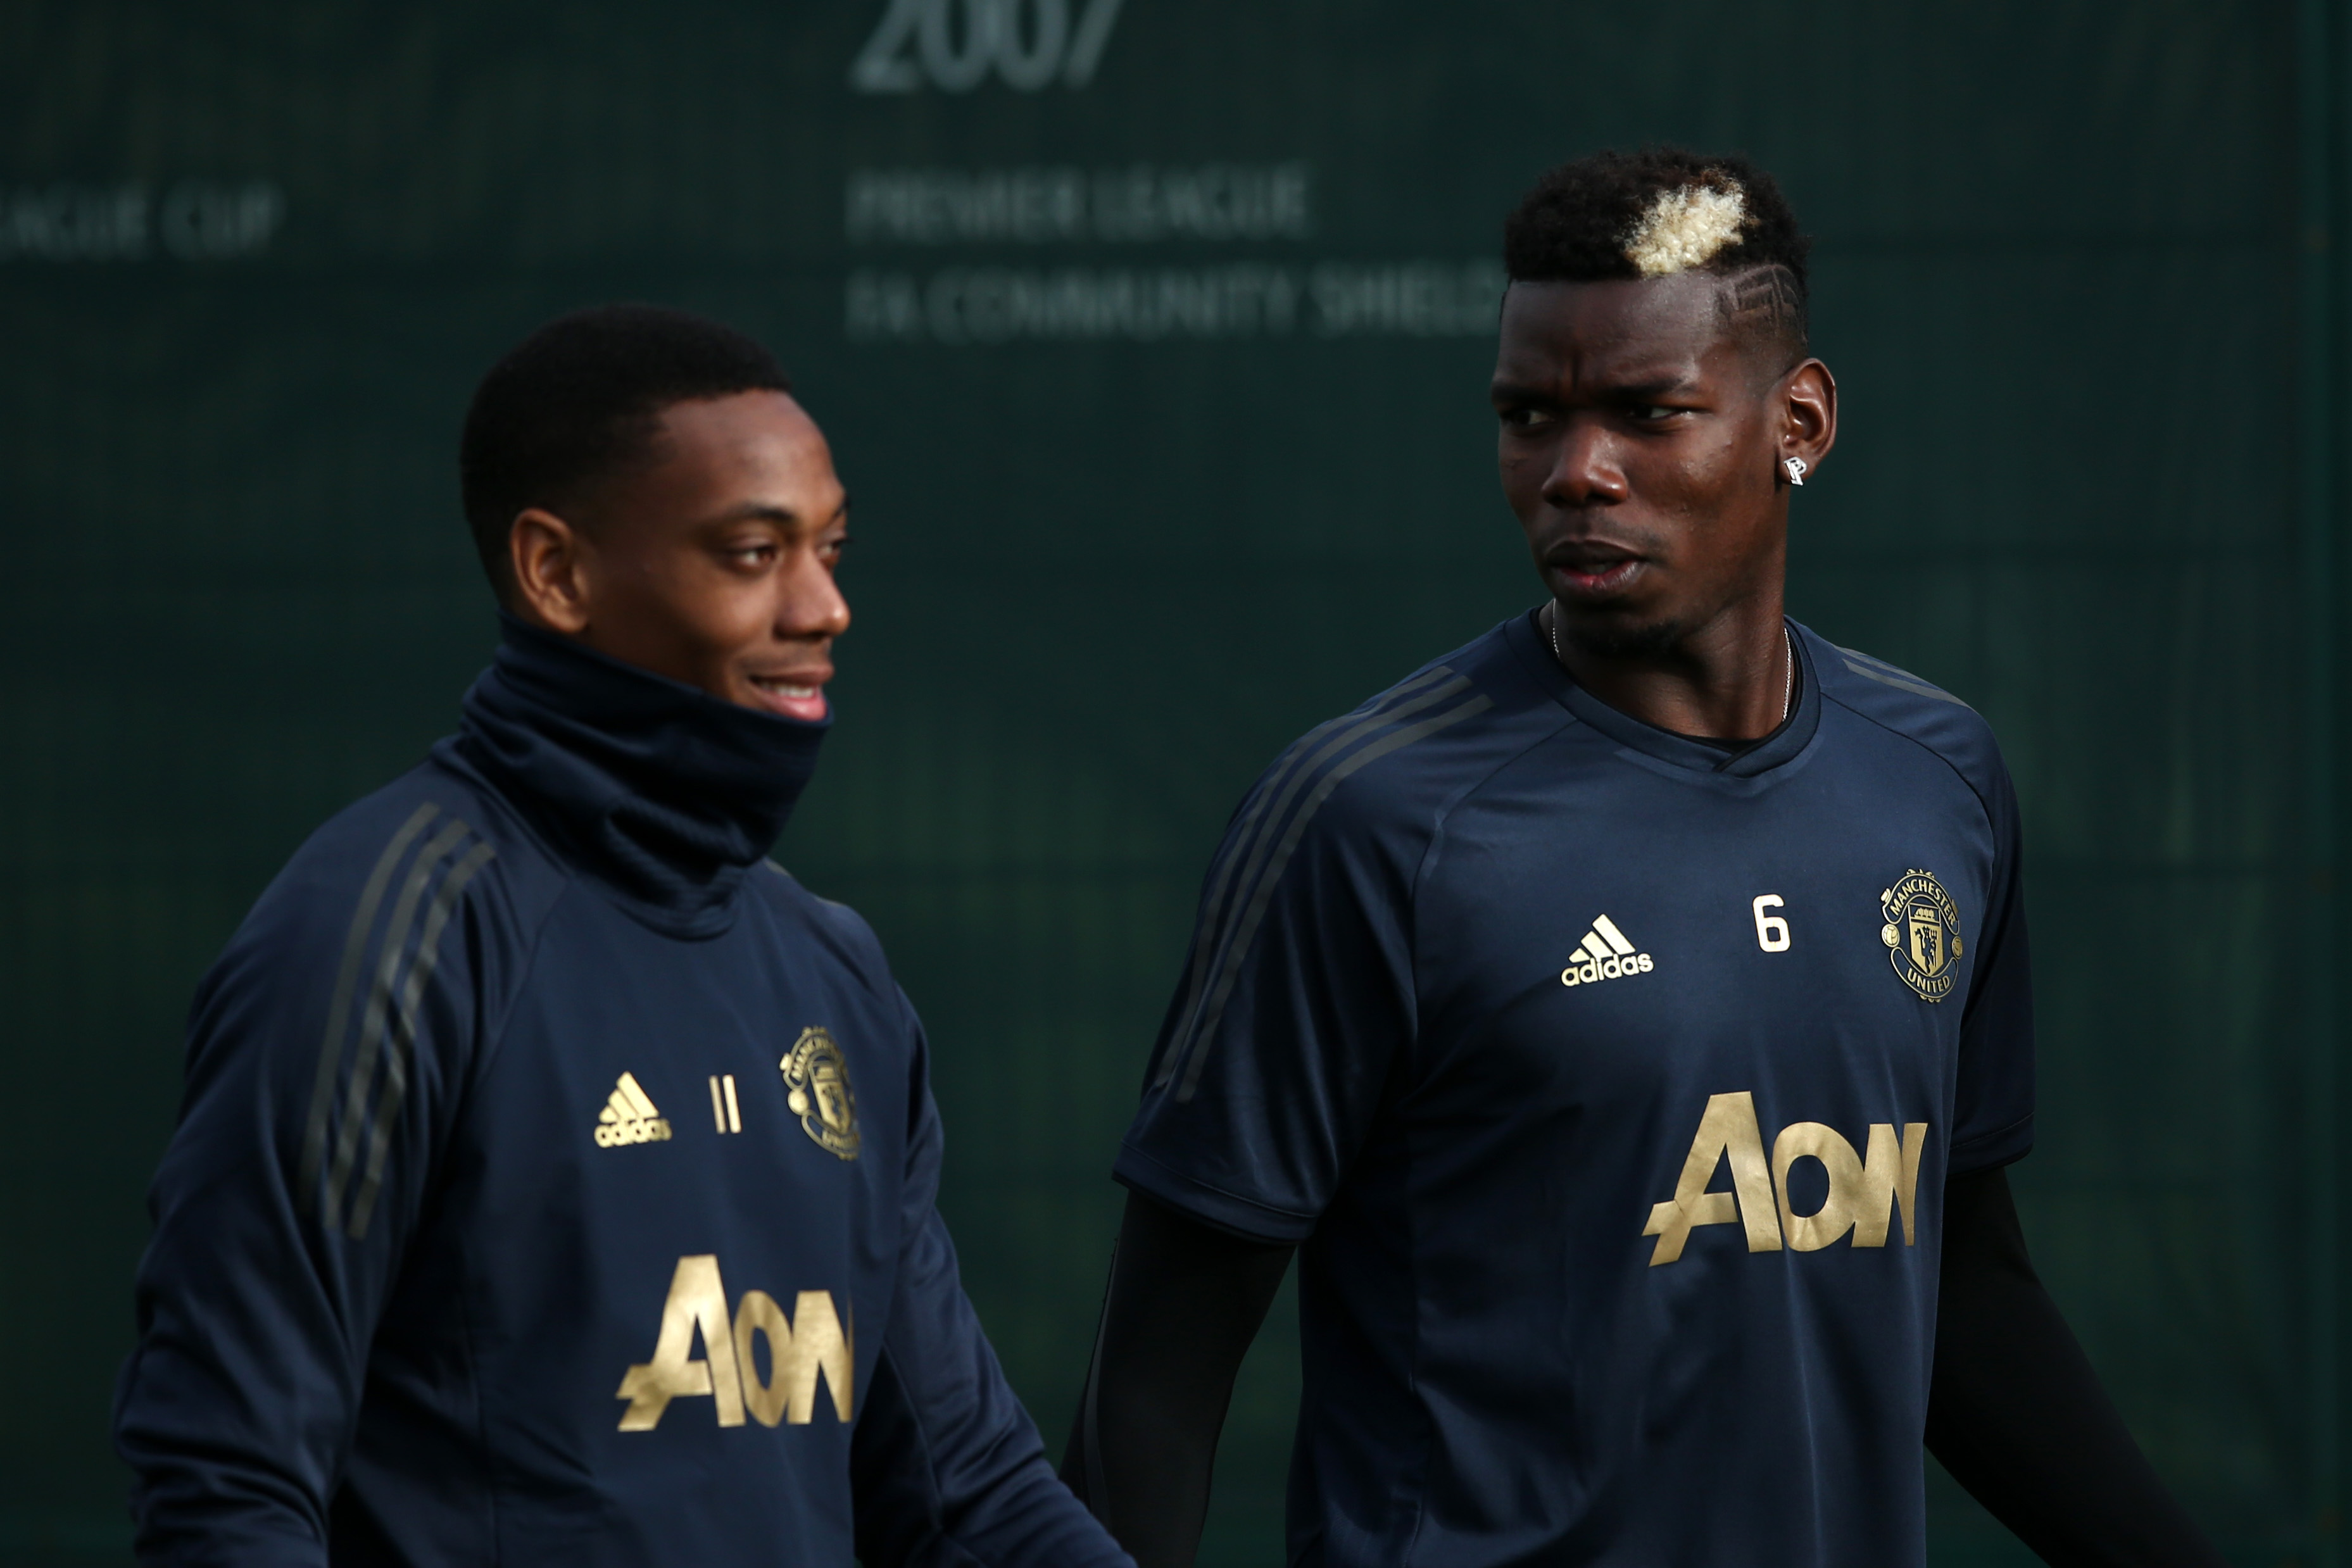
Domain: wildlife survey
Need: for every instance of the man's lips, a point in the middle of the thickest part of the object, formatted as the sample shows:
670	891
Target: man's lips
1595	572
795	693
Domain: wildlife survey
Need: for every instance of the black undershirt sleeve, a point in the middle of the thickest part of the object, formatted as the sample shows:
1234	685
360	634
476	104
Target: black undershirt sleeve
1184	1303
2016	1416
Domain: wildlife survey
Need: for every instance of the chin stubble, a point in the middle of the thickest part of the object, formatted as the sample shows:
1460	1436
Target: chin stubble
1656	643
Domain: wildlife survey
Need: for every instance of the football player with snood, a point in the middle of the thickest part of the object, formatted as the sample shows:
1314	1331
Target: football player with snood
555	1181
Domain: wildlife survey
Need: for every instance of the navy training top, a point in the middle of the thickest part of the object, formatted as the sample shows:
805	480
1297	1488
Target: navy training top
1611	1085
554	1185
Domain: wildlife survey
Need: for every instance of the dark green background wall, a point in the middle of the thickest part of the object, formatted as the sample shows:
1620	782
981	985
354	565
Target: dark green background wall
1134	507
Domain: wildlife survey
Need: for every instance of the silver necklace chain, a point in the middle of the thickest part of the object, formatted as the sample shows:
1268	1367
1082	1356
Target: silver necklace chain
1789	669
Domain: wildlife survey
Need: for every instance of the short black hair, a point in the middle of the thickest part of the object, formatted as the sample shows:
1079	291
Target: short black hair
1582	221
579	398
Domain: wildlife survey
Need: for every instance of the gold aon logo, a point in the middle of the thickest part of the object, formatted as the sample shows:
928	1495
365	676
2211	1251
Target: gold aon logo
1864	1189
629	1117
811	1343
1605	955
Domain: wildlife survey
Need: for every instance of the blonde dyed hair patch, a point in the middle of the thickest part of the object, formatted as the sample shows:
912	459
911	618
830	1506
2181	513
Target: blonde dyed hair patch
1687	227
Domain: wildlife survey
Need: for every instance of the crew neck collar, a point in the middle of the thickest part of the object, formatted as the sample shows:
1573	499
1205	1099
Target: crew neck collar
1783	745
661	793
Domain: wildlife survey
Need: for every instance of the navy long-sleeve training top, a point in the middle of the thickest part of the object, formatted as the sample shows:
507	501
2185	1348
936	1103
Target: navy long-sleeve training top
554	1184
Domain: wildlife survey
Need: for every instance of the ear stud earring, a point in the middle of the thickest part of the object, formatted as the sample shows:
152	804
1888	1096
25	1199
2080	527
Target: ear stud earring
1796	467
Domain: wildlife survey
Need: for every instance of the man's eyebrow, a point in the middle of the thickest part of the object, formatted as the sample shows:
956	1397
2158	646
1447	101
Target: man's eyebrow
1634	389
769	512
1656	386
1506	387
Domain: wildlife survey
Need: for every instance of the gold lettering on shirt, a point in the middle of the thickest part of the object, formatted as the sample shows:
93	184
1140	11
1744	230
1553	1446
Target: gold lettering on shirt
697	1301
1863	1194
1890	1179
1866	1191
812	1343
1727	1130
1810	1140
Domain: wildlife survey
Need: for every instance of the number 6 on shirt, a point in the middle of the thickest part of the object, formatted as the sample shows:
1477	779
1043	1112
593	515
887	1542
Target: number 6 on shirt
1771	931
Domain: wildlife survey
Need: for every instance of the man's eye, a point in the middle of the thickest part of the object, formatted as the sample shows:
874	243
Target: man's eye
1525	418
1650	412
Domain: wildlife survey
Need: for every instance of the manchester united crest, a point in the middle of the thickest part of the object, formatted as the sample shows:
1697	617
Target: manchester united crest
816	1083
1922	934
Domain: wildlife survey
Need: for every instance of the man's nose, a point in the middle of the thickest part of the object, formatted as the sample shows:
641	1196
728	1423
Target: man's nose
812	606
1585	469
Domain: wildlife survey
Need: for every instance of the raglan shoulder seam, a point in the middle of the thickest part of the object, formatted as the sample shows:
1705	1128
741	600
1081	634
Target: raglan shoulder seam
534	936
1976	790
1441	818
793	897
1282	809
1893	675
534	942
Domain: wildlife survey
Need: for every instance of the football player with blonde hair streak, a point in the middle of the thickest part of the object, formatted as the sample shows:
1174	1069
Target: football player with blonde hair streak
1624	1018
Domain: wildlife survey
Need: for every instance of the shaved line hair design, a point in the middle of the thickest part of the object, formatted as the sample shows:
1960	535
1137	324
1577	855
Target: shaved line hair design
1661	211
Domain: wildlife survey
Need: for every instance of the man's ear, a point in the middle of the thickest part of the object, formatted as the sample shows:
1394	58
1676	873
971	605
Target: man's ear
545	554
1808	414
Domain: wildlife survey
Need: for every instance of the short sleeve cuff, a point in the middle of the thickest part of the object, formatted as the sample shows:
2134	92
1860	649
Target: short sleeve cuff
1987	1151
1226	1211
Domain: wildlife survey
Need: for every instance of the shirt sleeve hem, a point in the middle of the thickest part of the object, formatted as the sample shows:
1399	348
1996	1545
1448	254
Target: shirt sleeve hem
2004	1145
1243	1217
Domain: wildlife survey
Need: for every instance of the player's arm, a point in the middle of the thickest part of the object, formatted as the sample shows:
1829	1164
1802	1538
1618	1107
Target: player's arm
946	1467
1184	1303
317	1070
2014	1410
1291	1023
2017	1416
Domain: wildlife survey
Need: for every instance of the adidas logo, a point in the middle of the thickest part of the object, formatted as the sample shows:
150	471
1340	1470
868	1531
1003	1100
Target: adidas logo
629	1117
1605	955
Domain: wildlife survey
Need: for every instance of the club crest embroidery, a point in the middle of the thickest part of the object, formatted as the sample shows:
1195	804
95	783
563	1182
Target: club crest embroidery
817	1084
1922	934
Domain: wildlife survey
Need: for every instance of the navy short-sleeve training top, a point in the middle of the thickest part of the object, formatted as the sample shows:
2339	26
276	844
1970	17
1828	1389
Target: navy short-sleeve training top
1612	1084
